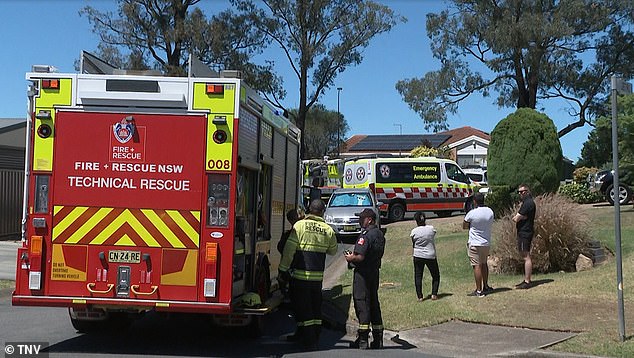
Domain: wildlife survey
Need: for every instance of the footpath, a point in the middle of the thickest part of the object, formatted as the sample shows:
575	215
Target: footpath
449	339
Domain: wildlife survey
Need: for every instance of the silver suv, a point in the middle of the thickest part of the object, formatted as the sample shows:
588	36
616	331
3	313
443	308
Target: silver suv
344	206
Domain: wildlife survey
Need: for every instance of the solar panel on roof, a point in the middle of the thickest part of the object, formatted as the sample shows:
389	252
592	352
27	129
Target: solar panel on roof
398	142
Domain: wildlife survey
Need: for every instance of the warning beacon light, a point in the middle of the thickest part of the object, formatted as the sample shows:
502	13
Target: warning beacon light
50	83
212	88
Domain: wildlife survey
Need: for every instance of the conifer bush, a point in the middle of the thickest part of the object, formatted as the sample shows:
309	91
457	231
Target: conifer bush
525	149
561	234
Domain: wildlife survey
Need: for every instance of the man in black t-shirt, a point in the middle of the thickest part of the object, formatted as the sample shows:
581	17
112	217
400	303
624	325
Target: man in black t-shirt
524	223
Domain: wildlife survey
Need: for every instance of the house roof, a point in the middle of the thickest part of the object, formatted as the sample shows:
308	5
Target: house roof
461	133
10	124
380	143
352	141
405	143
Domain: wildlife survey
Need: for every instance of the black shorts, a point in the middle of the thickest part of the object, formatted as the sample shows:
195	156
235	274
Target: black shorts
524	243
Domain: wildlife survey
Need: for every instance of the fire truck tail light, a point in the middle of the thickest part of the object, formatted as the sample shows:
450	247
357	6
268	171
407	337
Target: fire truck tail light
50	83
35	280
214	88
35	247
210	287
211	252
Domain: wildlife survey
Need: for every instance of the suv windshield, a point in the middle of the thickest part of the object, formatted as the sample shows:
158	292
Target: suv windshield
350	199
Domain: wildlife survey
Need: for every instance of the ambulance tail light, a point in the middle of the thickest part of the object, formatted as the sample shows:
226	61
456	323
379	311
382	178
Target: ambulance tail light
211	259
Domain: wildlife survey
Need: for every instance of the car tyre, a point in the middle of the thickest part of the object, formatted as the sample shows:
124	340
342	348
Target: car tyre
625	194
396	212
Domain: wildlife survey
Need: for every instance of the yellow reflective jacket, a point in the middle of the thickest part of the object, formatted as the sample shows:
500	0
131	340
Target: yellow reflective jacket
304	255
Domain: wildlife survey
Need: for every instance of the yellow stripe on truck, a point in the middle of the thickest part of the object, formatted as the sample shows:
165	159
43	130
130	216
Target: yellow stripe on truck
126	227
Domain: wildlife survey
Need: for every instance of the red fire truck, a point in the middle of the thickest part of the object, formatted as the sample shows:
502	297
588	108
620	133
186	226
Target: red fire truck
146	192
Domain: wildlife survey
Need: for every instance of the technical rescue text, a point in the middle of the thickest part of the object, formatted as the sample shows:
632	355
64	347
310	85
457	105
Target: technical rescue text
116	182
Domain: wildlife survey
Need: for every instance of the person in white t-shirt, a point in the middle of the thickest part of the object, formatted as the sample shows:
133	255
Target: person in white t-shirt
479	221
424	255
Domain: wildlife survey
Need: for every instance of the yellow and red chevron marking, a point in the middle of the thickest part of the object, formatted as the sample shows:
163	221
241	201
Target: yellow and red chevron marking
126	227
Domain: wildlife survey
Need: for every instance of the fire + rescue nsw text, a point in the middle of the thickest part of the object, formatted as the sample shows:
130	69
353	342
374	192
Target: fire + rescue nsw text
131	167
128	183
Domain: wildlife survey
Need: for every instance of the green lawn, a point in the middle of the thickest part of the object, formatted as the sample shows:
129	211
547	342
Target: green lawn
584	302
6	284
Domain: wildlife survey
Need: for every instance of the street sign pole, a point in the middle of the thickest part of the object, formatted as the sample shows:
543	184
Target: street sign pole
618	85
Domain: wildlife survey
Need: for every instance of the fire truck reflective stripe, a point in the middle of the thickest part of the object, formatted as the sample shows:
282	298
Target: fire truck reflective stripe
157	217
189	231
126	227
153	223
76	235
65	218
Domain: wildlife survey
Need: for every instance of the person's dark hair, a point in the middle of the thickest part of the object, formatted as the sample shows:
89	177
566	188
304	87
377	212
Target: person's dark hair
479	199
317	207
292	216
419	216
525	186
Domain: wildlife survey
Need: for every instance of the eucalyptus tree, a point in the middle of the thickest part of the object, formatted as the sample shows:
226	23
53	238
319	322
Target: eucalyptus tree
160	34
319	39
320	132
525	51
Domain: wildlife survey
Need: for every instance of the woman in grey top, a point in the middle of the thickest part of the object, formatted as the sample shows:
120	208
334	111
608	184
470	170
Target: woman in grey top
424	255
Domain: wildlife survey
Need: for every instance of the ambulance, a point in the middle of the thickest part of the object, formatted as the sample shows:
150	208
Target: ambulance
151	193
412	184
327	171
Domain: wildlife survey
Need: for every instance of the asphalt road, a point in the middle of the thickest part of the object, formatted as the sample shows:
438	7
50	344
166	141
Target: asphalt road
173	335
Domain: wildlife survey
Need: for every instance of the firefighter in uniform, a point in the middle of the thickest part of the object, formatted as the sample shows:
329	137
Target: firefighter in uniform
303	262
366	259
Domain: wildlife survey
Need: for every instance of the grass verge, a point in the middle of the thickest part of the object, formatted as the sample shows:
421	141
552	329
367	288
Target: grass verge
583	302
7	284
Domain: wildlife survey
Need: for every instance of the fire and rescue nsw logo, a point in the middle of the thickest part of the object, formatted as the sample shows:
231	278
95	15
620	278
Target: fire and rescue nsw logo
127	141
124	130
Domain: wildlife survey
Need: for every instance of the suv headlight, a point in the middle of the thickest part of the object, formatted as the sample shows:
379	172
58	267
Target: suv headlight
329	219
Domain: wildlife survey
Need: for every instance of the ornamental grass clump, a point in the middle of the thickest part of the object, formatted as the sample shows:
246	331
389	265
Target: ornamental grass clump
561	234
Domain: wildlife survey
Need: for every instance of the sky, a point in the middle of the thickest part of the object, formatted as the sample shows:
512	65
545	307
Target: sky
51	32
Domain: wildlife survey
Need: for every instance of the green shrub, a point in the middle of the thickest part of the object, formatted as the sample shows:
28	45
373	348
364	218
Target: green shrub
561	234
500	199
525	149
580	193
428	151
580	175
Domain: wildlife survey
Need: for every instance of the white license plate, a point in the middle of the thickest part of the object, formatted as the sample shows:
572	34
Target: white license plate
124	256
349	228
